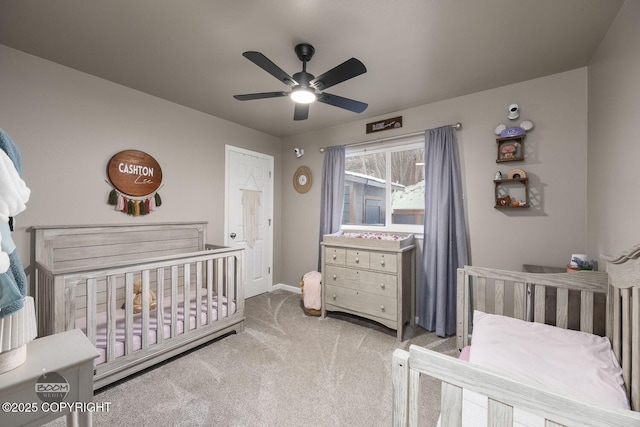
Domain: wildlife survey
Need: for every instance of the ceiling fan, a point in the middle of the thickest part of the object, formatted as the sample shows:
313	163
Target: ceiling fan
305	87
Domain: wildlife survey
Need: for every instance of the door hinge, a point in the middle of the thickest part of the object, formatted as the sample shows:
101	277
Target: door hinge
269	270
269	222
269	174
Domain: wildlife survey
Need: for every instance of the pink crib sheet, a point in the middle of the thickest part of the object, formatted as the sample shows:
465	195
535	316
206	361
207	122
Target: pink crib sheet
101	320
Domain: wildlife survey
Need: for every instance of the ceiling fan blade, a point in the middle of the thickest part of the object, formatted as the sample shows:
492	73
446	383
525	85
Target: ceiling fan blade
301	112
263	95
342	72
266	64
346	103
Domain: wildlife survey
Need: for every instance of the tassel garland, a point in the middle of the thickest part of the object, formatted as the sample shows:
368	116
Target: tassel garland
113	197
134	207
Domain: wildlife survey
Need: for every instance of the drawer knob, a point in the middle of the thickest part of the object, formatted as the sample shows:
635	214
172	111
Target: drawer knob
382	286
382	263
335	256
382	308
335	277
357	260
334	296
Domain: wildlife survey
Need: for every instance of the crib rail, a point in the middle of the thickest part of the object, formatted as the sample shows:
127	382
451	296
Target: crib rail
525	296
503	392
195	292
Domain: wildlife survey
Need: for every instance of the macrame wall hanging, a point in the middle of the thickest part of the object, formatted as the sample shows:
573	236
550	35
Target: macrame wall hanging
136	178
250	211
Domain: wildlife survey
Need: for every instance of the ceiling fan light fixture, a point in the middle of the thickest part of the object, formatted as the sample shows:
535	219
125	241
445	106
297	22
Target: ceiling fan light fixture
303	95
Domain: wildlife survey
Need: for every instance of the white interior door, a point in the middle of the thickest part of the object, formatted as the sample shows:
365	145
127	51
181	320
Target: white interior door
252	171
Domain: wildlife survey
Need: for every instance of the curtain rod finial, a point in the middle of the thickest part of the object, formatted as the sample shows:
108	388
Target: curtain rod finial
322	149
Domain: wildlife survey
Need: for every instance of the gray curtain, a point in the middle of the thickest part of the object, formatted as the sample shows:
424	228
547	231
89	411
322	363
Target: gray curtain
332	192
445	236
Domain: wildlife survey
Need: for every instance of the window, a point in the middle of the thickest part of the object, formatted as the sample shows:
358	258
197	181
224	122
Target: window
384	187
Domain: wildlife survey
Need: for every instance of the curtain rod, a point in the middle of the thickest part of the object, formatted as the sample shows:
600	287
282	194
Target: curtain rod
456	126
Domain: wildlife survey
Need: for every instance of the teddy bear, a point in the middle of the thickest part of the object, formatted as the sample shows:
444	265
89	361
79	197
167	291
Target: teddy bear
137	299
509	150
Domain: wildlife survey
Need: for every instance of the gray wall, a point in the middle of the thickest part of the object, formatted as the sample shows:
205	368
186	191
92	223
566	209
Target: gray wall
614	148
69	124
556	161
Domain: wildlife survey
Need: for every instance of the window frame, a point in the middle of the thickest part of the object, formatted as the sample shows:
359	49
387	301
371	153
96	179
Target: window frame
404	144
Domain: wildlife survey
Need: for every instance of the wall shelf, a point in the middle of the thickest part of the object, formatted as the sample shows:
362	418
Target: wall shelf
505	190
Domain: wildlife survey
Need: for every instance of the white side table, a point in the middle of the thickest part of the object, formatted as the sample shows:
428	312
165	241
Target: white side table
69	354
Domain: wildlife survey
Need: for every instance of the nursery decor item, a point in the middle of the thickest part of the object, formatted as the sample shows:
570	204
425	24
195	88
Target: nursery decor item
137	299
302	179
136	178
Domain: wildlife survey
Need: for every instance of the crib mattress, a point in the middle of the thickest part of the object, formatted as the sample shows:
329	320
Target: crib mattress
570	362
101	320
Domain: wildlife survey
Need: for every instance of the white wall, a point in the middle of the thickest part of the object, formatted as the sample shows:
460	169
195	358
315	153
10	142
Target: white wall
68	125
556	161
614	148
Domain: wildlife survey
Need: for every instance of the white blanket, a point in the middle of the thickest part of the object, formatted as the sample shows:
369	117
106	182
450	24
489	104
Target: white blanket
566	361
572	362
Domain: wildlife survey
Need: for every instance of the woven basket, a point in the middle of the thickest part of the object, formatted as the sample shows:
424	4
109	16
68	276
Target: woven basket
309	311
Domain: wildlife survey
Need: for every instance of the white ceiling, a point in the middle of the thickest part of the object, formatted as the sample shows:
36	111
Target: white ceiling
416	51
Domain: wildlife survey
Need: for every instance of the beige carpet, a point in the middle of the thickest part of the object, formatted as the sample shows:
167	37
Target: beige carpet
286	369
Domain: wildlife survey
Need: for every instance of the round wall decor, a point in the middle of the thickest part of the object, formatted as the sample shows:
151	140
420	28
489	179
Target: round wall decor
134	173
302	179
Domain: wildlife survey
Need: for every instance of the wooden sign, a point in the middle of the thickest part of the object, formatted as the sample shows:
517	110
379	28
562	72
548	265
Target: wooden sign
134	173
385	124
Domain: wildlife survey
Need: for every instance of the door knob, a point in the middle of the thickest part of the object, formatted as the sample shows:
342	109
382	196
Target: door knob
232	235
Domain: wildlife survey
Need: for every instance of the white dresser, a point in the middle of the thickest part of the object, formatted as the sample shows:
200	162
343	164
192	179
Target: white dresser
369	278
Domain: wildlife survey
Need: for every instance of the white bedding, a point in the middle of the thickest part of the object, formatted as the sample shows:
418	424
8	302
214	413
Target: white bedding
101	320
566	361
572	362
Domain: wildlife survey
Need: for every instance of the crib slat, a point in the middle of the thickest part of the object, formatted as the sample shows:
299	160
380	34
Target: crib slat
174	300
481	297
626	340
229	281
617	319
160	309
219	287
499	414
586	311
539	304
562	308
414	396
128	314
187	298
635	350
198	294
451	405
111	317
69	307
499	296
209	290
145	310
91	310
519	300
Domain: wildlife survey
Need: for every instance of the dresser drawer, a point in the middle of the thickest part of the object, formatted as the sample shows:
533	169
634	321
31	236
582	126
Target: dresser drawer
363	302
335	256
356	258
362	280
382	261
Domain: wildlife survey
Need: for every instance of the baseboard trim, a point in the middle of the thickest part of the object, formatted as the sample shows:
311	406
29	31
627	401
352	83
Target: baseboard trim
294	289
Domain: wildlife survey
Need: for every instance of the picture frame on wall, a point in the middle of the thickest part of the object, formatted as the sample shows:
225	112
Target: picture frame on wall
510	149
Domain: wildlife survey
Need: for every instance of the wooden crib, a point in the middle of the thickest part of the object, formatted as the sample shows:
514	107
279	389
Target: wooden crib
83	277
509	294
